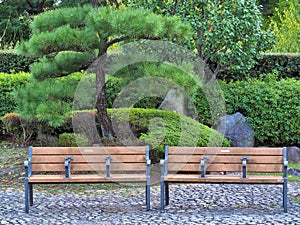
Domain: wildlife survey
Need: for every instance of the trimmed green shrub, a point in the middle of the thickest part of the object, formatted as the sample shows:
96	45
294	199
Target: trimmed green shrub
271	106
11	62
8	84
72	140
159	128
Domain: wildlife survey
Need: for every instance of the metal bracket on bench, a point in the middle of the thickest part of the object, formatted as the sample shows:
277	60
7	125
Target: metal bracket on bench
108	160
203	166
68	166
244	164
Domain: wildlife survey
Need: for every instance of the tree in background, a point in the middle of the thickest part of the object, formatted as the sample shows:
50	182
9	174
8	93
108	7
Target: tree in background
16	15
227	34
71	39
286	24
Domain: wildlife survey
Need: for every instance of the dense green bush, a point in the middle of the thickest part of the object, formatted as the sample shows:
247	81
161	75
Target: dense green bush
8	84
285	65
72	140
271	106
159	128
13	62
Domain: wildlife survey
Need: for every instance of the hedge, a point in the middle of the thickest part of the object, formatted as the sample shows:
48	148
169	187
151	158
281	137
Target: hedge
11	62
8	84
271	106
284	65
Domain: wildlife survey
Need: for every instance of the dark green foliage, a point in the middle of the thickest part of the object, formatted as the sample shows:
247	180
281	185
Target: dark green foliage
226	34
8	84
13	62
284	65
271	106
287	65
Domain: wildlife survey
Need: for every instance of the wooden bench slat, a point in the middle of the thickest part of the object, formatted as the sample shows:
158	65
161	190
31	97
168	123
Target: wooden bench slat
87	178
225	159
224	151
132	150
36	159
119	167
190	178
225	167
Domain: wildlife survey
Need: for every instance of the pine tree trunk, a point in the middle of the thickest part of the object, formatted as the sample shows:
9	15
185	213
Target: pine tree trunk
102	115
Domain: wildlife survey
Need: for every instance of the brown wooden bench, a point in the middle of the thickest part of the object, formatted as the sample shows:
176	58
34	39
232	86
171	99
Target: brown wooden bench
194	165
60	165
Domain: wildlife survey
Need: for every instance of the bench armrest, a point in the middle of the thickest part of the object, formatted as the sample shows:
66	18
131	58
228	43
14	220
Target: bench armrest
148	164
28	168
285	165
164	167
68	166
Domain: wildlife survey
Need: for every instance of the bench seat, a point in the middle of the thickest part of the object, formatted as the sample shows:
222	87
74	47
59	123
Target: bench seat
194	178
88	178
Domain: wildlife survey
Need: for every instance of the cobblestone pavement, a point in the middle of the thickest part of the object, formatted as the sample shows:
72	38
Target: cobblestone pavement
189	204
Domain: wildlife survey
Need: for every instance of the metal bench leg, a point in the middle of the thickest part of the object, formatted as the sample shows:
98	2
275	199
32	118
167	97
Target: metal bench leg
26	195
31	194
162	196
167	193
148	197
285	190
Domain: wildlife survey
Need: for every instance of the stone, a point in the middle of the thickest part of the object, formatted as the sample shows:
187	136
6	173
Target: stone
294	171
293	154
237	130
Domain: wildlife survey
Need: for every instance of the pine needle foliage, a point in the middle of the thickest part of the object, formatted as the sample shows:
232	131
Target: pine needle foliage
68	40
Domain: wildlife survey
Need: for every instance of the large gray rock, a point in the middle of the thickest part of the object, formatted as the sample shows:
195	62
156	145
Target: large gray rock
237	130
175	101
293	154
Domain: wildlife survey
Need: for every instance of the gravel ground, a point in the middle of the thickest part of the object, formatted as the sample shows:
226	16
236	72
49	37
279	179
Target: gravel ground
189	204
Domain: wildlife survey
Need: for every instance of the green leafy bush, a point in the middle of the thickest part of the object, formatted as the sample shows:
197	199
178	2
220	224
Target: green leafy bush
18	128
286	65
72	140
13	62
159	128
271	106
8	84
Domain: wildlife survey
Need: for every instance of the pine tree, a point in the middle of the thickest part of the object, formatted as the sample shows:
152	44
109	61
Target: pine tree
71	39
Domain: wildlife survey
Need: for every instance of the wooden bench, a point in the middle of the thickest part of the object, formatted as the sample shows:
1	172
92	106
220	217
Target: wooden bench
193	165
61	165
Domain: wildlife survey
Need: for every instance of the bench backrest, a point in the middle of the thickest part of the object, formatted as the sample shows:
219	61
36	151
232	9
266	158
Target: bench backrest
225	159
89	159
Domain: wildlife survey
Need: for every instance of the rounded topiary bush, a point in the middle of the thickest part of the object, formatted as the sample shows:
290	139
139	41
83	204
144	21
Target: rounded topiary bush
159	128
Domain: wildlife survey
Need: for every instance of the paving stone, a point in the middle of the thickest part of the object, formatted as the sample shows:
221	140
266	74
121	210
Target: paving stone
189	204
